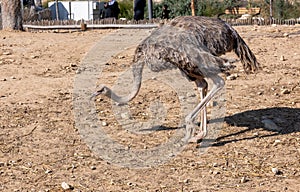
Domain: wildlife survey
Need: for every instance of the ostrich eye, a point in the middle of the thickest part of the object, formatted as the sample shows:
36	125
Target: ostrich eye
102	90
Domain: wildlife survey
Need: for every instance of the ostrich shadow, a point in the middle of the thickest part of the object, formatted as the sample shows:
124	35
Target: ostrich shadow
287	120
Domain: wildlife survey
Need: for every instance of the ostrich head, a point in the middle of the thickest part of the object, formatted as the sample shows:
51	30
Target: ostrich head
102	90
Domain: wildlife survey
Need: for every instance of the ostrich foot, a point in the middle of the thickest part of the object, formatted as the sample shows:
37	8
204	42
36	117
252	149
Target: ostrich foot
189	128
197	138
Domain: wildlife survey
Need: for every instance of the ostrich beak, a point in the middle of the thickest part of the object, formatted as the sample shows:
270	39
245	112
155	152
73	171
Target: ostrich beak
94	95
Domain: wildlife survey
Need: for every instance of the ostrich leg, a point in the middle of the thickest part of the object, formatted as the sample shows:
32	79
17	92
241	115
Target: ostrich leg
202	88
218	83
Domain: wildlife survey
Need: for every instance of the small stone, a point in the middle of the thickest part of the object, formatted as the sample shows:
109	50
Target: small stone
215	164
93	167
130	184
216	172
34	56
285	34
277	141
6	53
186	181
104	123
275	171
73	65
282	58
112	182
232	76
66	186
181	97
285	91
48	171
13	77
243	180
259	93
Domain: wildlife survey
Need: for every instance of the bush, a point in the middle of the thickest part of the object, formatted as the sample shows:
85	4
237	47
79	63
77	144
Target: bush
126	9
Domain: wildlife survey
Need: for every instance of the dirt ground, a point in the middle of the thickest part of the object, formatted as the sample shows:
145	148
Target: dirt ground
257	149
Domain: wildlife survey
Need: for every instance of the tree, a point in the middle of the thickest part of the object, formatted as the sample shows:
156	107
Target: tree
11	15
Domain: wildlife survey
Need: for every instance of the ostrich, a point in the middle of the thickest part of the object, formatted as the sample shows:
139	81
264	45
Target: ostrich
192	44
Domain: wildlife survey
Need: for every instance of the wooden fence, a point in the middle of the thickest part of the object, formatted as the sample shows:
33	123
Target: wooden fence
113	23
262	21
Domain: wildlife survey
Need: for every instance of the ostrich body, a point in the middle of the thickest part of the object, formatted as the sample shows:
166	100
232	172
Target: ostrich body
193	45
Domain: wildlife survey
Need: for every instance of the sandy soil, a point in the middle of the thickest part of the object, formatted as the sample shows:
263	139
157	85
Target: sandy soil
40	146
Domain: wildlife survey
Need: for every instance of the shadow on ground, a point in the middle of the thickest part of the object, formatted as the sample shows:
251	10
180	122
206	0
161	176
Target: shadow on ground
286	120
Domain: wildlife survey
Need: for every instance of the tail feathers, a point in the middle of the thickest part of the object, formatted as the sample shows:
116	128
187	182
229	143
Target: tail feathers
248	59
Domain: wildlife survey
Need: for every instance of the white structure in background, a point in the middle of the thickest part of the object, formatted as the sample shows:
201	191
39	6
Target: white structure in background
75	10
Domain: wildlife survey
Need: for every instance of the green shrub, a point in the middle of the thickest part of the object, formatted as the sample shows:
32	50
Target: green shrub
126	9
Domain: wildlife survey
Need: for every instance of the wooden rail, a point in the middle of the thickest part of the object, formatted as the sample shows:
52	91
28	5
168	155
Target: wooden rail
91	26
117	24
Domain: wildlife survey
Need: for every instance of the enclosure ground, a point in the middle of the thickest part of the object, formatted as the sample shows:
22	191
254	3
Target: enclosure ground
40	146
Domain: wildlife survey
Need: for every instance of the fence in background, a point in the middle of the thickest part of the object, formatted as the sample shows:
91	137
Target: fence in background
113	23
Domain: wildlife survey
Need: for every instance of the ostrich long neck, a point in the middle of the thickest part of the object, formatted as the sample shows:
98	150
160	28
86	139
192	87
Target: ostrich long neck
137	70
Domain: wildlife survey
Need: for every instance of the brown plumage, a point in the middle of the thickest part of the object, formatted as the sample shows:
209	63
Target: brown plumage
193	45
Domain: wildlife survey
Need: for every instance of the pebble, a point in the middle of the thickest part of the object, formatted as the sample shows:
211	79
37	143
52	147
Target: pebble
186	181
216	172
232	76
104	123
276	142
282	58
181	97
285	91
243	180
93	167
112	182
6	53
48	171
66	186
73	65
34	56
285	34
275	171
